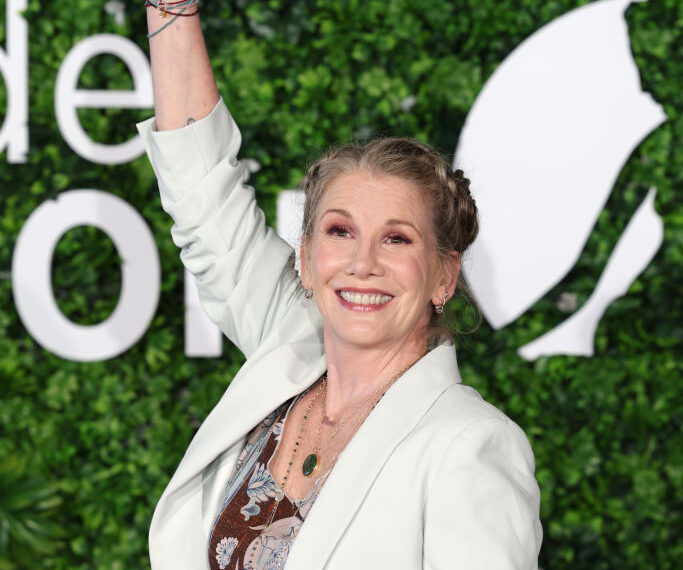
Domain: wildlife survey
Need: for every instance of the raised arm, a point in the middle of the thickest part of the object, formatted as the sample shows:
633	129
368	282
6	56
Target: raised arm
184	84
243	270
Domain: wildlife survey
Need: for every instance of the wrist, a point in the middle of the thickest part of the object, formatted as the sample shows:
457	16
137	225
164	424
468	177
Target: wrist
162	13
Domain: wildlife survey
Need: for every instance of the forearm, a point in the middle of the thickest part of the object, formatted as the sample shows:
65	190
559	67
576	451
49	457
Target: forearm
184	84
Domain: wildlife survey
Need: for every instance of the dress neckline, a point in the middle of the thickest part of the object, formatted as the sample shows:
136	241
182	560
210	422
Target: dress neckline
318	482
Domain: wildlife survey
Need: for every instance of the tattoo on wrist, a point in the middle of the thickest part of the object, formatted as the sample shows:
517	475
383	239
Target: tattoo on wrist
190	121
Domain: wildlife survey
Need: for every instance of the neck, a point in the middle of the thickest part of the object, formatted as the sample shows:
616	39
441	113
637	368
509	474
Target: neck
355	373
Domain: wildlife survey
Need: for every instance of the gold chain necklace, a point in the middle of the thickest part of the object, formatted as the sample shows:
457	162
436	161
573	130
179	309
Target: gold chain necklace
312	461
302	430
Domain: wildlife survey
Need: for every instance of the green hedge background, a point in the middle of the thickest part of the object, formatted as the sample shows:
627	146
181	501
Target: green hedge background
86	449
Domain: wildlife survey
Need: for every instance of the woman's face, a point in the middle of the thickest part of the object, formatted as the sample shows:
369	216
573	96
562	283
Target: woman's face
372	262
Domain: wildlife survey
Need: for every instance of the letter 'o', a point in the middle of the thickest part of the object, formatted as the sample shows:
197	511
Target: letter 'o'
32	280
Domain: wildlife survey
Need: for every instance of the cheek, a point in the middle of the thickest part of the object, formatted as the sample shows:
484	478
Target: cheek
322	261
414	273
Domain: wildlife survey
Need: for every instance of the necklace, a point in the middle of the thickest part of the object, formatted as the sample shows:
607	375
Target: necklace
299	437
312	461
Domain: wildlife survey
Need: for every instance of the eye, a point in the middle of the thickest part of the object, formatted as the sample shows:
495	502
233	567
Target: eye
398	238
338	230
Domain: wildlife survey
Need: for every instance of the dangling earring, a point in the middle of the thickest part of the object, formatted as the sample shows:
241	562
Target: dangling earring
308	294
439	308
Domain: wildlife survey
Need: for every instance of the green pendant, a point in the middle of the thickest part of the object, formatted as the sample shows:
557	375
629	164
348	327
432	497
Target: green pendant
310	464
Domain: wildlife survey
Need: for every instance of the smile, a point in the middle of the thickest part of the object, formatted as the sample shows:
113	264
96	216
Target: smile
364	301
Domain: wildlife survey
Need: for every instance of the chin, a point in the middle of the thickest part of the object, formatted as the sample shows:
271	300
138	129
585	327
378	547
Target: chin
368	335
361	335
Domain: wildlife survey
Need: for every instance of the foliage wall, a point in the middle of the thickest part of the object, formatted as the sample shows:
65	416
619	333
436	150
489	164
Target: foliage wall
87	448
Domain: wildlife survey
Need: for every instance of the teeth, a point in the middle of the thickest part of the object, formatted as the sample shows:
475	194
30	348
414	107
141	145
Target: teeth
364	298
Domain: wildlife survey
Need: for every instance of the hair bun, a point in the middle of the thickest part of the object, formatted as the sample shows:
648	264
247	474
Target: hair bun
462	182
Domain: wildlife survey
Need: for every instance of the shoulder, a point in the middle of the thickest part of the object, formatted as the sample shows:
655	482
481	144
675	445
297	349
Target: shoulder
460	407
465	404
462	423
481	485
453	406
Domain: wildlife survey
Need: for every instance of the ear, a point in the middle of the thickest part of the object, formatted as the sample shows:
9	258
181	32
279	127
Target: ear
450	271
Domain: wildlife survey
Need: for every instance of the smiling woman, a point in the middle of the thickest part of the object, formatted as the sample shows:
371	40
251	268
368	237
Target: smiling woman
347	440
423	180
372	262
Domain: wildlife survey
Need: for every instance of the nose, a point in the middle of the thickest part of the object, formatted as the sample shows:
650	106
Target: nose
364	261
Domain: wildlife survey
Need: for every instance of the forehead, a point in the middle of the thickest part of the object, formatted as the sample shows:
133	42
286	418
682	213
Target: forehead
379	195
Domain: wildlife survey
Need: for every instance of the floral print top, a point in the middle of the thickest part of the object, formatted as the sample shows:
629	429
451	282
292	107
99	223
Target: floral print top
241	538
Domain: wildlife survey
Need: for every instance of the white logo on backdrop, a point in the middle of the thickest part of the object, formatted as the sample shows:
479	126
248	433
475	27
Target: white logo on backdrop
545	142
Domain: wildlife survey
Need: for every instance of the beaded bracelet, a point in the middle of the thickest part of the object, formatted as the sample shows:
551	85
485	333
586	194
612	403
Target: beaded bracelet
163	7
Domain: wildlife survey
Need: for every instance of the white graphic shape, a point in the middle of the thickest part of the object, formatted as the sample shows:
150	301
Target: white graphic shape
68	98
290	217
14	68
544	144
634	251
32	279
202	337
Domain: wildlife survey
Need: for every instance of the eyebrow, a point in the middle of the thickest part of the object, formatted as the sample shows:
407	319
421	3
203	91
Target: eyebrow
336	211
395	222
391	222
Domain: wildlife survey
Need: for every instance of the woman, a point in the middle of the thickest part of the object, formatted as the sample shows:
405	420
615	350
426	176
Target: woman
342	417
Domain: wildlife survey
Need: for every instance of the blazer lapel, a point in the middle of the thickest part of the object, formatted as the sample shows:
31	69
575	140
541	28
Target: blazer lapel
177	534
394	417
249	399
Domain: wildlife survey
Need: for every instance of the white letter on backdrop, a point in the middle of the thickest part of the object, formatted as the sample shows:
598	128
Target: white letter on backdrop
68	98
290	216
202	337
14	69
32	281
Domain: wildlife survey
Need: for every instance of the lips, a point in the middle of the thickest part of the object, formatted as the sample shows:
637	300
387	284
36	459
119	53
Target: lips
365	299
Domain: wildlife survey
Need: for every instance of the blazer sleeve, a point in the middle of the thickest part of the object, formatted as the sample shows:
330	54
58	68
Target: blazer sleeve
482	509
244	271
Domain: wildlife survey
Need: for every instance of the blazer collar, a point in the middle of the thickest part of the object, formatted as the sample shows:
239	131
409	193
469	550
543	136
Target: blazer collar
250	398
394	417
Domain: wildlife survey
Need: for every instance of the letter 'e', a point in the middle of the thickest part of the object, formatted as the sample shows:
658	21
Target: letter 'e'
68	98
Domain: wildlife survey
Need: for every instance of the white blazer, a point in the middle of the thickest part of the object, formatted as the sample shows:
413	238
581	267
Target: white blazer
435	478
